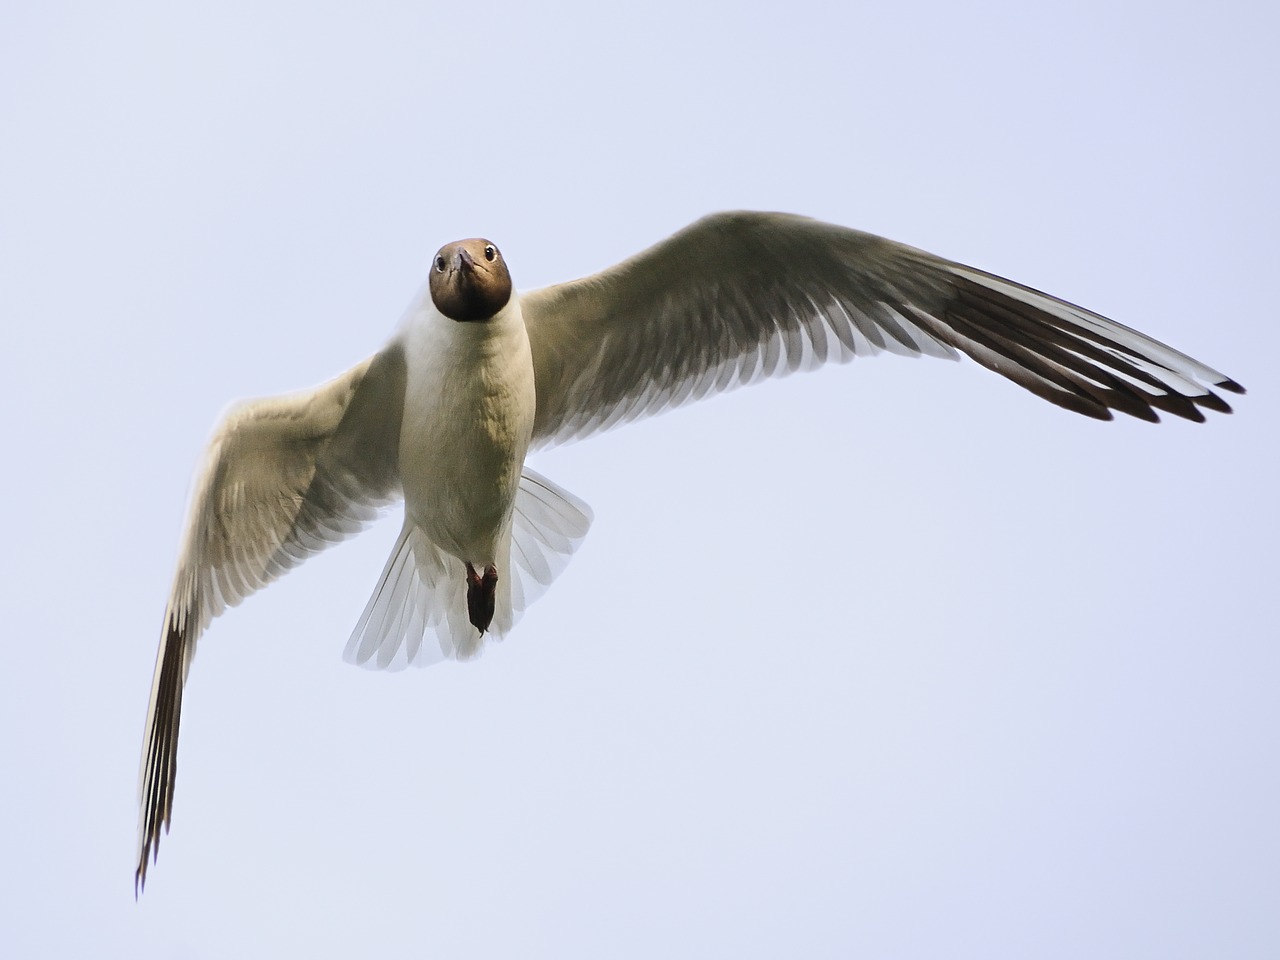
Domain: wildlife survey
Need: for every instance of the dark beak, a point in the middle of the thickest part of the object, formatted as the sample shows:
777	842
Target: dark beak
464	259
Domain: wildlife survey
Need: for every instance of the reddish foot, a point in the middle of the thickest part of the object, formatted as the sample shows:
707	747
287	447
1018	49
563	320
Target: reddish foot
481	593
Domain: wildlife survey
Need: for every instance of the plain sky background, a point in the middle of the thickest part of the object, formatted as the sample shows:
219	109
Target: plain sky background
891	660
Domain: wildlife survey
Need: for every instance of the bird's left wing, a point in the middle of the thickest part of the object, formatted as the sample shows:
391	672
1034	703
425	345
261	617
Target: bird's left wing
282	479
741	296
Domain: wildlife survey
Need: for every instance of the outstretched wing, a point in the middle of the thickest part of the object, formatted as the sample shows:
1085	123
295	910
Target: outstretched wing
741	296
283	478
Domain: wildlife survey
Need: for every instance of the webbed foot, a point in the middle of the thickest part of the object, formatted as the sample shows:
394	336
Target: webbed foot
481	596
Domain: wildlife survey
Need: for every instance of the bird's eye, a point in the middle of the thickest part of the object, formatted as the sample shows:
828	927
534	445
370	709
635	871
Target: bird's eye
440	264
490	253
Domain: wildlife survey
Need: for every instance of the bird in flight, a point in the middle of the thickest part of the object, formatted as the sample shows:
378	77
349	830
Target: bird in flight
478	374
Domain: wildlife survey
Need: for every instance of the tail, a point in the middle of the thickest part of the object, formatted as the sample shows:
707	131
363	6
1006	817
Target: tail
418	612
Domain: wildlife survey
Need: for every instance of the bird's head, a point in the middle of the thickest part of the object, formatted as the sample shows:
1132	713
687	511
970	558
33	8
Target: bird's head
469	280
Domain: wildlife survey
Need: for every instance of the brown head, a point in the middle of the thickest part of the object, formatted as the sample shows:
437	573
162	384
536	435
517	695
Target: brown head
469	280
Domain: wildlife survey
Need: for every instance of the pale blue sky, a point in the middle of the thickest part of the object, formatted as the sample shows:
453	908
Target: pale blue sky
1032	711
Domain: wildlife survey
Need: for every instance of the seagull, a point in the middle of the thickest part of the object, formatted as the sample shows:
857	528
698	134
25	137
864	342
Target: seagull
478	374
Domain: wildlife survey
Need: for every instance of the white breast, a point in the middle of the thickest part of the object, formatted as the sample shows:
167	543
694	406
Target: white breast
468	417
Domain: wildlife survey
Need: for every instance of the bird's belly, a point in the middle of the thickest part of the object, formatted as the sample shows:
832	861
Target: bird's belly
463	501
462	451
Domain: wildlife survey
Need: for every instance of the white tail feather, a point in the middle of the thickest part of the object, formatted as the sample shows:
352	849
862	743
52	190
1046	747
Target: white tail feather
418	612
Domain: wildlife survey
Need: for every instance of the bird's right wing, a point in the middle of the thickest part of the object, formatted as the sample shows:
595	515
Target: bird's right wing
282	479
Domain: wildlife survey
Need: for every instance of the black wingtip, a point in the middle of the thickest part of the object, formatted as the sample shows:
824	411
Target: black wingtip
1230	385
151	853
1211	401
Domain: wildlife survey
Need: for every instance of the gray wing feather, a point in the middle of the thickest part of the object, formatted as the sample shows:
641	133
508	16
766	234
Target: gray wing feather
737	297
283	478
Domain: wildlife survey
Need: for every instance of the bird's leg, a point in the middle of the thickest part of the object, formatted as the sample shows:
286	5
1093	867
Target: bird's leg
481	596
